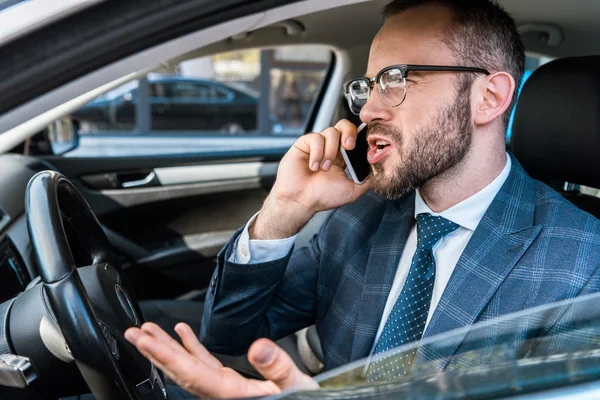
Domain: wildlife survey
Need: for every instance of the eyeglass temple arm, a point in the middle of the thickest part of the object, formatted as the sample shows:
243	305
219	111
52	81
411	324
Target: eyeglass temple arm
444	68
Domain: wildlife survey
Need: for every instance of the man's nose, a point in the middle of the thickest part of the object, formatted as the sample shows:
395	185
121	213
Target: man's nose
375	109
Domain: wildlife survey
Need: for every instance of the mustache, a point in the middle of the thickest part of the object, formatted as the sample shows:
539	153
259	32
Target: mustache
391	132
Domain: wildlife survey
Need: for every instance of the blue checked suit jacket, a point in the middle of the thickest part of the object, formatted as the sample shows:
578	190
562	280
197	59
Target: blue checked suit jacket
531	247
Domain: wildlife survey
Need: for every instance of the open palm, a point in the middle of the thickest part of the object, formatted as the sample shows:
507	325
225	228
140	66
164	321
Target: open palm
197	371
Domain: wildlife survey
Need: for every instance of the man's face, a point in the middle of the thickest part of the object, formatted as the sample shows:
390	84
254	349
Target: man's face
430	132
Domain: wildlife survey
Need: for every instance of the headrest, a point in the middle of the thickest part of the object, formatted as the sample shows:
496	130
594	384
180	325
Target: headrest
556	130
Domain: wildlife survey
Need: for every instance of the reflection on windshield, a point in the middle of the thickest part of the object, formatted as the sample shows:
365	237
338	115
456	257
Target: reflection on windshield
545	347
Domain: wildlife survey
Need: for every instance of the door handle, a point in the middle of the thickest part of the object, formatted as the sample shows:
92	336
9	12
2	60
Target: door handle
149	180
121	180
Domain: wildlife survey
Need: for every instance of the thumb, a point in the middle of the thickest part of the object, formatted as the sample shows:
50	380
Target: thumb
359	190
273	363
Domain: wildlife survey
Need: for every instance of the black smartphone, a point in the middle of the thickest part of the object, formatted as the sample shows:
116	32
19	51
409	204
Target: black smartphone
356	159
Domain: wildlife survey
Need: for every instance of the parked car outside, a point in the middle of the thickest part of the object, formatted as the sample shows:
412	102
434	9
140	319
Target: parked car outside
176	103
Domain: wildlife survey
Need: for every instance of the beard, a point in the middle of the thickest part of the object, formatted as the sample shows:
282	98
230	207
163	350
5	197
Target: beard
437	147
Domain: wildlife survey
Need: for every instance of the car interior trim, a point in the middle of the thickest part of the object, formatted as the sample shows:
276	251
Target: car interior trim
134	197
205	244
54	340
332	96
35	14
324	87
214	173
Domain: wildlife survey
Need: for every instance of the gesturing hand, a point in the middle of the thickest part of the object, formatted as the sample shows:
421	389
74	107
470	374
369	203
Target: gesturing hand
193	368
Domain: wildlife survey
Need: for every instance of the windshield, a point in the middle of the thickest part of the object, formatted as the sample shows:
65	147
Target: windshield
546	347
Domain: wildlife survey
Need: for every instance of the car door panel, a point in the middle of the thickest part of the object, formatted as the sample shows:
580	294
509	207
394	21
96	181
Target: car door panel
169	234
155	223
82	165
170	195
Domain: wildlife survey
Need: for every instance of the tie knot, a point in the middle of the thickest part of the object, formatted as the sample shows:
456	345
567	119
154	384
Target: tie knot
430	229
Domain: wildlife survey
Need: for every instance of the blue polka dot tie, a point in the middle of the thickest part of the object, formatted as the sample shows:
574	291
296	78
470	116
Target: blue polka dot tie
407	319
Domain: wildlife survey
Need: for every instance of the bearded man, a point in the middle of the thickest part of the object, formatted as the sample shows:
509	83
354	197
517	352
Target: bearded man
449	229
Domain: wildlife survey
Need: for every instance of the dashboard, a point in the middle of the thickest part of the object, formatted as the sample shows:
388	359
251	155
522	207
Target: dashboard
17	261
13	275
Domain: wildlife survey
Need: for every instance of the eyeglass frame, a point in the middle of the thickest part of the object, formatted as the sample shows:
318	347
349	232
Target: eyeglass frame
404	70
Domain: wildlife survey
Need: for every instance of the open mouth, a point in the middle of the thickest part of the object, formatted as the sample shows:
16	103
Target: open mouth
380	145
378	148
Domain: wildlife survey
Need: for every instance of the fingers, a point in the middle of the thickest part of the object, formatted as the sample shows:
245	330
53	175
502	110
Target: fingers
323	148
156	331
199	373
332	144
276	365
190	372
186	370
192	344
158	352
159	347
348	133
316	151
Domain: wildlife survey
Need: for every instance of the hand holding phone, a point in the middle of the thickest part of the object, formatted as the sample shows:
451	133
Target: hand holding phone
311	178
357	165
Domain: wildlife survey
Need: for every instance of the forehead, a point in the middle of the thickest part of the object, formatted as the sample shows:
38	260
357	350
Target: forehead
412	37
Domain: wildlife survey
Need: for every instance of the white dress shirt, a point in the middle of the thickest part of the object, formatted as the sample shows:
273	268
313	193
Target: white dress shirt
446	252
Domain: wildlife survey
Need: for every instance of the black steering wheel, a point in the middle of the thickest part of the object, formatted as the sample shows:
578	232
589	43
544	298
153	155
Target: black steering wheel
92	305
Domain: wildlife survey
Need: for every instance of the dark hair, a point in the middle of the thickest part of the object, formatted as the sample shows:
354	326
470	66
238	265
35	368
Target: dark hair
482	35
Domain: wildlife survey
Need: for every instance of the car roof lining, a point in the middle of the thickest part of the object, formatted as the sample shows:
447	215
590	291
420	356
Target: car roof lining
580	35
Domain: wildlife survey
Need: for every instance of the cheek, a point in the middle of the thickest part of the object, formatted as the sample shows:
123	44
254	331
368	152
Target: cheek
410	115
425	102
420	117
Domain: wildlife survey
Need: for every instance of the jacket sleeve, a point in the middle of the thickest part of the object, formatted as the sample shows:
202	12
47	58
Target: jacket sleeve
250	301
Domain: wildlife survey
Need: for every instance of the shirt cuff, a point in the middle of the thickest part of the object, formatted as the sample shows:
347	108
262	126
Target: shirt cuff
259	251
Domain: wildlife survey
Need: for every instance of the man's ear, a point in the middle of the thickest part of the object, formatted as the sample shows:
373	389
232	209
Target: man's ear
494	97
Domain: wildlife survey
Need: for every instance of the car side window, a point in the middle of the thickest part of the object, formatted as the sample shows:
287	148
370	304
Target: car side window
159	90
257	98
218	94
189	90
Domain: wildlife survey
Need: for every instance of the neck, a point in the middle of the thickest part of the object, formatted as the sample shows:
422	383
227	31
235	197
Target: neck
477	170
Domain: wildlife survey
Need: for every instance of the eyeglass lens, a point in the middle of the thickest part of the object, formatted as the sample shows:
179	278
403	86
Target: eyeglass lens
391	87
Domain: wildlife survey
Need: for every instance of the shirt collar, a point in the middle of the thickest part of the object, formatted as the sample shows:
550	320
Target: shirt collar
468	212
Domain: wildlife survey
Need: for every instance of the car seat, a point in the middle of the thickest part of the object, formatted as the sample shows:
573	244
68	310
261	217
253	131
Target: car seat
556	130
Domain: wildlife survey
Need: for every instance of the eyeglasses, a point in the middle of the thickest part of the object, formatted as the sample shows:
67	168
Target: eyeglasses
391	82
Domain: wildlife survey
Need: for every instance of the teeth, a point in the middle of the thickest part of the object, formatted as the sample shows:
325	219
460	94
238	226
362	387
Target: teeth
382	143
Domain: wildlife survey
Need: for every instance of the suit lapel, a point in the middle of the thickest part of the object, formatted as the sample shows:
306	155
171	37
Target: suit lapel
382	263
503	235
